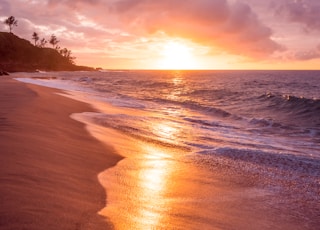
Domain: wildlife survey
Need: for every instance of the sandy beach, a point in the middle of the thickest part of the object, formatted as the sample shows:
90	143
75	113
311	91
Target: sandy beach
49	162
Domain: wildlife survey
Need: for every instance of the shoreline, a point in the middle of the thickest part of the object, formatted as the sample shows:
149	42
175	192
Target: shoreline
49	162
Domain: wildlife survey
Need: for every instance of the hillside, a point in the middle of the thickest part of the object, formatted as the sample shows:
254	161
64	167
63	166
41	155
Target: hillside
19	55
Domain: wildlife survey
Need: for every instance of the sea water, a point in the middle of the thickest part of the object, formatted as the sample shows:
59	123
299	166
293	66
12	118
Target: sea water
263	125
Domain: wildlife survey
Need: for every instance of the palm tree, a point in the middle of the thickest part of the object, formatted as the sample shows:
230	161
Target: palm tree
53	40
43	43
35	37
11	21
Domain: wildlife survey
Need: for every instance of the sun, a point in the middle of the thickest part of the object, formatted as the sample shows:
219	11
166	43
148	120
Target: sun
176	55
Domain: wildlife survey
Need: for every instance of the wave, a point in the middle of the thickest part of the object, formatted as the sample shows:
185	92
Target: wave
287	162
136	127
305	110
296	174
269	123
193	105
215	94
207	123
300	105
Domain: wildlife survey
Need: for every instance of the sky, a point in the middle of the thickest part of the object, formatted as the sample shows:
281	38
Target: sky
176	34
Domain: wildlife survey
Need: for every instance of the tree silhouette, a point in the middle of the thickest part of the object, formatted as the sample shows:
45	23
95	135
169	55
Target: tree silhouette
11	21
67	54
54	41
35	37
43	43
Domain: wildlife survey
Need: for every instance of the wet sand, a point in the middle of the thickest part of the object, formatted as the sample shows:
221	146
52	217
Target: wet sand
48	163
154	188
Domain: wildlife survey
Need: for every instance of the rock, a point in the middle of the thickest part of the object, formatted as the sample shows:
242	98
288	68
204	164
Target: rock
3	73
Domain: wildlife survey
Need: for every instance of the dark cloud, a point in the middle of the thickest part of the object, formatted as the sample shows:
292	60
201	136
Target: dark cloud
306	12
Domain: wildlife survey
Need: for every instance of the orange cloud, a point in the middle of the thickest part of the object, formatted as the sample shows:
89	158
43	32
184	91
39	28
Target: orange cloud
242	32
234	28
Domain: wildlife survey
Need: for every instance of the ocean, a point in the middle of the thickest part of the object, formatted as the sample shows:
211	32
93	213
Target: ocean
259	130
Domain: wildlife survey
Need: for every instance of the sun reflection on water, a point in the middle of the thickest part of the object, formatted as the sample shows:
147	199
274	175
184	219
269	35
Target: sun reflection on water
165	131
155	171
154	174
179	88
178	79
137	187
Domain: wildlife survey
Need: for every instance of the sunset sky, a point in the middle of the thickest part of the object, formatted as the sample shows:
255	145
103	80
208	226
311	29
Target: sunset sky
176	34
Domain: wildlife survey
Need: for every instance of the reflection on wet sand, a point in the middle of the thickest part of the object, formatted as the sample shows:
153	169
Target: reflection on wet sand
137	186
149	189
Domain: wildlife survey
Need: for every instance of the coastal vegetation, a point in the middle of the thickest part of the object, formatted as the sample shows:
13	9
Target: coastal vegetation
11	21
20	55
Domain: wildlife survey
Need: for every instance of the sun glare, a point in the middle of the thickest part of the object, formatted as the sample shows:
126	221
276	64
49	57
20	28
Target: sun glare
177	55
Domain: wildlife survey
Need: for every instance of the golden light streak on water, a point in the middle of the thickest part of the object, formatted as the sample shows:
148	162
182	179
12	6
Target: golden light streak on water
137	186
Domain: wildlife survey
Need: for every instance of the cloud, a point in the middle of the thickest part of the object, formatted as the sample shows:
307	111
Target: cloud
61	19
308	55
305	12
4	8
83	25
234	28
71	3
